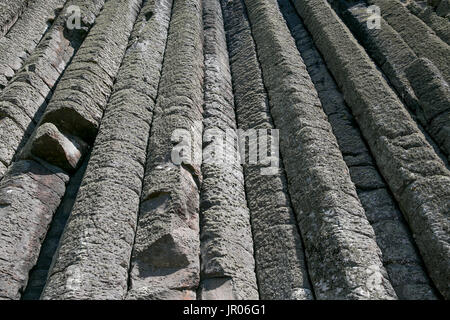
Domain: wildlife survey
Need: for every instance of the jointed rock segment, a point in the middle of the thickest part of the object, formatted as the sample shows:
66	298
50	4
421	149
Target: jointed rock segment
111	188
165	262
275	233
227	262
416	34
24	99
29	196
24	36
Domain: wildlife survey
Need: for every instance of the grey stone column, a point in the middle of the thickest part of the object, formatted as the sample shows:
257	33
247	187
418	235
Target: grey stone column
280	260
416	176
97	243
227	262
343	258
165	262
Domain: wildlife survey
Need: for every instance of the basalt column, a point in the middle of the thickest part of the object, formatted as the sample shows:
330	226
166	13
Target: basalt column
165	262
94	254
24	36
342	255
58	146
275	233
415	174
227	263
24	99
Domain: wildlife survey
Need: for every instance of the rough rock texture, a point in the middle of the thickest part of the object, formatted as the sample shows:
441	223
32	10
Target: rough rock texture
25	35
224	149
165	262
109	193
416	176
25	97
39	273
274	226
226	237
416	34
29	196
9	13
394	57
438	22
399	255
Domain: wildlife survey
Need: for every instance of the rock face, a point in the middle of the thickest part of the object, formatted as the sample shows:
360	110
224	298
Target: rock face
224	149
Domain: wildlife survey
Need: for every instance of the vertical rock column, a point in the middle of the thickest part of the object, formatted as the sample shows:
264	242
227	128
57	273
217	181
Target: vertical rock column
227	262
416	176
29	196
39	274
102	50
280	261
25	97
9	13
343	258
24	36
418	82
165	262
98	240
402	262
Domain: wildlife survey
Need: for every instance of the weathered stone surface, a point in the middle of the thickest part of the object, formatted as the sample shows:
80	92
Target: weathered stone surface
394	56
24	99
391	233
56	148
226	235
434	98
77	105
39	273
341	252
17	45
29	196
165	261
416	34
105	212
273	222
416	176
9	13
443	9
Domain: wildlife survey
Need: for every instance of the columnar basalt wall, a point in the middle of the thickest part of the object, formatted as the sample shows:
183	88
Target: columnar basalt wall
415	174
338	229
224	149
